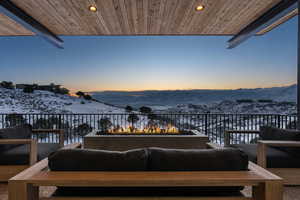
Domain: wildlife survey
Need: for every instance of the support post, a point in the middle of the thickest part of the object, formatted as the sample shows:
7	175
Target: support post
277	12
21	190
270	190
298	71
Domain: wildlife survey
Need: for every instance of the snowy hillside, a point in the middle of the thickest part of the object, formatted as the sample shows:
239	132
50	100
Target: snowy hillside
172	98
190	101
234	107
16	101
76	126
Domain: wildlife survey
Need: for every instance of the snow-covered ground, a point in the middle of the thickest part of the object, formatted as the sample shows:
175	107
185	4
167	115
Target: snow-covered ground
43	102
16	101
233	107
171	98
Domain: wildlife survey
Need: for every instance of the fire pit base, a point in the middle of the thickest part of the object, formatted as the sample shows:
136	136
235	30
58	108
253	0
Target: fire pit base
125	142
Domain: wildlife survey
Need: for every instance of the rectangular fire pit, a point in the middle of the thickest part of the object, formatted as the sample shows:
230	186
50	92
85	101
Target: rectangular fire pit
125	141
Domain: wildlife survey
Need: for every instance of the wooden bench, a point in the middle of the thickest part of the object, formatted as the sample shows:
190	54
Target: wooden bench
25	186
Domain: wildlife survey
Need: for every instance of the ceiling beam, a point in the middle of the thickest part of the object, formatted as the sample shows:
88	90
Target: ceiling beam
267	19
17	14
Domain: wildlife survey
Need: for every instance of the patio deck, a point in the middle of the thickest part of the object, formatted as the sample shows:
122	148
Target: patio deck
290	193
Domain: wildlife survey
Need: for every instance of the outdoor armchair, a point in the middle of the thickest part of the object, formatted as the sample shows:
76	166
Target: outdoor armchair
7	171
277	156
18	150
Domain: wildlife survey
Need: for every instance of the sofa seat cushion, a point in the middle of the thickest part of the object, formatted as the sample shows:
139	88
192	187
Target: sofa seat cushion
19	132
146	191
20	155
276	158
98	160
227	159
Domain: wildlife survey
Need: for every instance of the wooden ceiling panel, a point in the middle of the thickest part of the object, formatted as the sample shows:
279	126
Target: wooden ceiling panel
10	27
139	17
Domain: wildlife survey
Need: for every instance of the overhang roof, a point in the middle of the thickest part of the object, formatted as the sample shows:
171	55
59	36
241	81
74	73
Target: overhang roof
141	17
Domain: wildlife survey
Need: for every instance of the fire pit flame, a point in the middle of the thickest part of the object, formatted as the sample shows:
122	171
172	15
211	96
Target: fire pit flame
169	129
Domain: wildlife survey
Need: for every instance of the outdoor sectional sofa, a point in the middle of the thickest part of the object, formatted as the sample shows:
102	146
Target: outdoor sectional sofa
277	150
151	173
18	150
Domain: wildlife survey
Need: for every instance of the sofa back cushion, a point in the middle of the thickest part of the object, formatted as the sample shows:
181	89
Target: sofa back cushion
227	159
151	159
98	160
271	133
18	132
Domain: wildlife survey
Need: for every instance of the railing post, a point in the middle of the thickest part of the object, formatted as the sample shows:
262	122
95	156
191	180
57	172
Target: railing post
59	122
205	124
298	71
278	121
226	138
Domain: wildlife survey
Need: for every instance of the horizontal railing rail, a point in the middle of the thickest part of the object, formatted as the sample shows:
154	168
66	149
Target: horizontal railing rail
76	126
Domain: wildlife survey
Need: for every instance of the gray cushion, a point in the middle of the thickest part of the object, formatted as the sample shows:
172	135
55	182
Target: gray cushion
20	155
157	159
276	158
271	133
228	159
19	132
98	160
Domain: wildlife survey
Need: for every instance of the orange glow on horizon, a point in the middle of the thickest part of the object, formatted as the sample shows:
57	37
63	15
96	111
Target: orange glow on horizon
72	93
73	89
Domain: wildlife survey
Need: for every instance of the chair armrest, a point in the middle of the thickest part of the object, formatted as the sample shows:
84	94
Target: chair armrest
262	149
15	141
227	134
56	131
280	143
32	145
48	131
241	131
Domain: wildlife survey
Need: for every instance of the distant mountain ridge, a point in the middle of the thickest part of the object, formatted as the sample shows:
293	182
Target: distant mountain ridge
193	101
175	97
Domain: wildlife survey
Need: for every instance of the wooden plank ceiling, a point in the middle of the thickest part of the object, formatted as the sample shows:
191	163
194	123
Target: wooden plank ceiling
139	17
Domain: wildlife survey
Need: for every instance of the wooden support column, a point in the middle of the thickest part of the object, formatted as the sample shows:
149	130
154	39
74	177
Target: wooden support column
270	190
298	71
20	190
262	155
33	152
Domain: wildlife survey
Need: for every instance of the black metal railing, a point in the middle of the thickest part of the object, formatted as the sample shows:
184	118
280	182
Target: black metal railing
212	125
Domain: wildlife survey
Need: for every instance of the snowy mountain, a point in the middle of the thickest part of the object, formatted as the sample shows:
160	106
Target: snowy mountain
169	98
234	107
281	101
16	101
76	126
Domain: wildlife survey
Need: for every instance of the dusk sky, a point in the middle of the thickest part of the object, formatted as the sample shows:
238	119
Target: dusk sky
159	63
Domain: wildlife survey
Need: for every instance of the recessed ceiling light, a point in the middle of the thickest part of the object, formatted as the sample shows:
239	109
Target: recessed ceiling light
200	8
93	8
